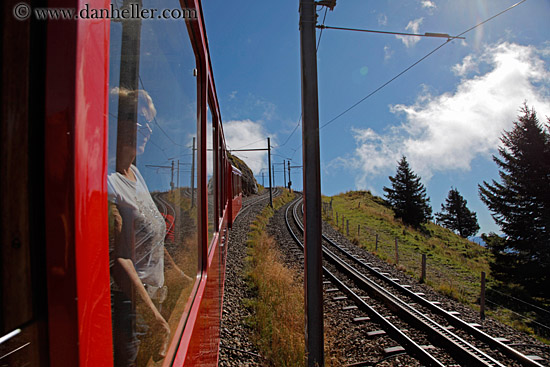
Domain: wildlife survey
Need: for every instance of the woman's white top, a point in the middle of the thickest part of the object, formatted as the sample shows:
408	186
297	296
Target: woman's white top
143	227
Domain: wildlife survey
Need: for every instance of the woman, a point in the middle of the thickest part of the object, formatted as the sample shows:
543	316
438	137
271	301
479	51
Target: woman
139	231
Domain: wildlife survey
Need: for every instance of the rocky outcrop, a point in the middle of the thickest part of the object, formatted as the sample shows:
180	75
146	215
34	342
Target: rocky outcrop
250	186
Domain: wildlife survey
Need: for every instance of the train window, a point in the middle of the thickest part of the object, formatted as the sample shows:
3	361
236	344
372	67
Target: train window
152	183
221	180
222	171
210	175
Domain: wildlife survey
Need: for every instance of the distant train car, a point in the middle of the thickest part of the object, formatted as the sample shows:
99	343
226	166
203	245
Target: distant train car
117	190
237	190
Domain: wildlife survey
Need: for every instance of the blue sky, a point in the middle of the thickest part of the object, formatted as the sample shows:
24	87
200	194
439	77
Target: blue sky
446	114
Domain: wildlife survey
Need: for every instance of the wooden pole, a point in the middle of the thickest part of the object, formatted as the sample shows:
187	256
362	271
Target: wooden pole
423	276
482	297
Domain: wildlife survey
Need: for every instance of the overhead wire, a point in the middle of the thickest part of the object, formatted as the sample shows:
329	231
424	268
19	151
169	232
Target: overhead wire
317	49
247	145
157	123
150	140
419	61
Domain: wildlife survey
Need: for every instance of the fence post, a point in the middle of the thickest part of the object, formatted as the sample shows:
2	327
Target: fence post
347	227
336	219
423	276
377	242
482	297
396	252
358	230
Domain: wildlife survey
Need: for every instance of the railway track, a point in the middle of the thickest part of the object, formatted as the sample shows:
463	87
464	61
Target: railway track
432	335
167	210
247	204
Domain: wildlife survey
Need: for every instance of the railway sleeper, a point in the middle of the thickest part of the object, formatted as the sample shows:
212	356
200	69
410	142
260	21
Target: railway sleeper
347	308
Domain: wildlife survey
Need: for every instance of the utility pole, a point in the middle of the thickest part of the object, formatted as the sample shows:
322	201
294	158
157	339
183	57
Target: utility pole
284	173
178	178
172	179
289	181
269	167
313	267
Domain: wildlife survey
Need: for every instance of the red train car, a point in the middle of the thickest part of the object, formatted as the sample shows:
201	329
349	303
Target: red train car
117	192
237	190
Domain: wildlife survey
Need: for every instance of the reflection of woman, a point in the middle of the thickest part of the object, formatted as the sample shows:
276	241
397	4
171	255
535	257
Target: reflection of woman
138	268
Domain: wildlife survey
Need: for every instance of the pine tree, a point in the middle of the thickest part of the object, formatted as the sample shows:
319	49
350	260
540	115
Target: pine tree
520	204
456	216
408	196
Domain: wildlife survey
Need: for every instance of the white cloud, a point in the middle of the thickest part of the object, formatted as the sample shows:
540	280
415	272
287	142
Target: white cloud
412	27
448	131
382	19
388	53
428	4
247	134
468	64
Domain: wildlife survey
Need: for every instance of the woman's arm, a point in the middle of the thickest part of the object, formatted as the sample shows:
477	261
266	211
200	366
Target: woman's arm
125	275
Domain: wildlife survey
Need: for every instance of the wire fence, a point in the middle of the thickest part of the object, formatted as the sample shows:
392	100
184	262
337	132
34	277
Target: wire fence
449	278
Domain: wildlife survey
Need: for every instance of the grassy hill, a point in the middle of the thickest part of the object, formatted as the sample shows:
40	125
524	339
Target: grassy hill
454	264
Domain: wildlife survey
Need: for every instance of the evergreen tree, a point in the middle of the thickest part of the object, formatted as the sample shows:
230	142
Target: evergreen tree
408	196
520	204
456	216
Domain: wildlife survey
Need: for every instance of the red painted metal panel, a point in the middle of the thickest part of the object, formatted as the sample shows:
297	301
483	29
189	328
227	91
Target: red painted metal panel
91	222
204	342
75	192
200	340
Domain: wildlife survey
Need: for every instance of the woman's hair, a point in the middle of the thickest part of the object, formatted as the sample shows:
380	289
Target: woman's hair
140	96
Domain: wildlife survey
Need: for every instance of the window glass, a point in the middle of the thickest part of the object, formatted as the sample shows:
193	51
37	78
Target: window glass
210	176
152	182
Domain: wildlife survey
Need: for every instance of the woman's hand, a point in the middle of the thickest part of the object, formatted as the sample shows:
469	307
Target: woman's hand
161	330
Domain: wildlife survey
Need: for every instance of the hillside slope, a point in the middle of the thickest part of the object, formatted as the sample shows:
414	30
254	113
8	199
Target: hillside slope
454	264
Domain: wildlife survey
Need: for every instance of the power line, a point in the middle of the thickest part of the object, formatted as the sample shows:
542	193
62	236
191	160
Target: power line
317	49
150	140
427	34
247	145
385	84
322	26
417	62
157	123
292	133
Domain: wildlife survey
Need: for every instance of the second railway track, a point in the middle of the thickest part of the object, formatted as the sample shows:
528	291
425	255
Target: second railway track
419	327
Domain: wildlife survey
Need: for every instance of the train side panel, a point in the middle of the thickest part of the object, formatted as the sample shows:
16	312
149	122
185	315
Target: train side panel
77	273
237	199
76	216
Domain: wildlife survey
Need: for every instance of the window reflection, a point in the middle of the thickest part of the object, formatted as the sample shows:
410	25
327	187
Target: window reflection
210	176
152	184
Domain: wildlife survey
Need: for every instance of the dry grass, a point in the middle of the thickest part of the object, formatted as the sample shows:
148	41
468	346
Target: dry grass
278	321
278	305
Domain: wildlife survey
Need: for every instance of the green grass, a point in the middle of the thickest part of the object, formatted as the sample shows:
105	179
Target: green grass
454	264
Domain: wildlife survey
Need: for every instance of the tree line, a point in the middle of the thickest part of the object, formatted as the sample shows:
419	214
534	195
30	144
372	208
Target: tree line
519	203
